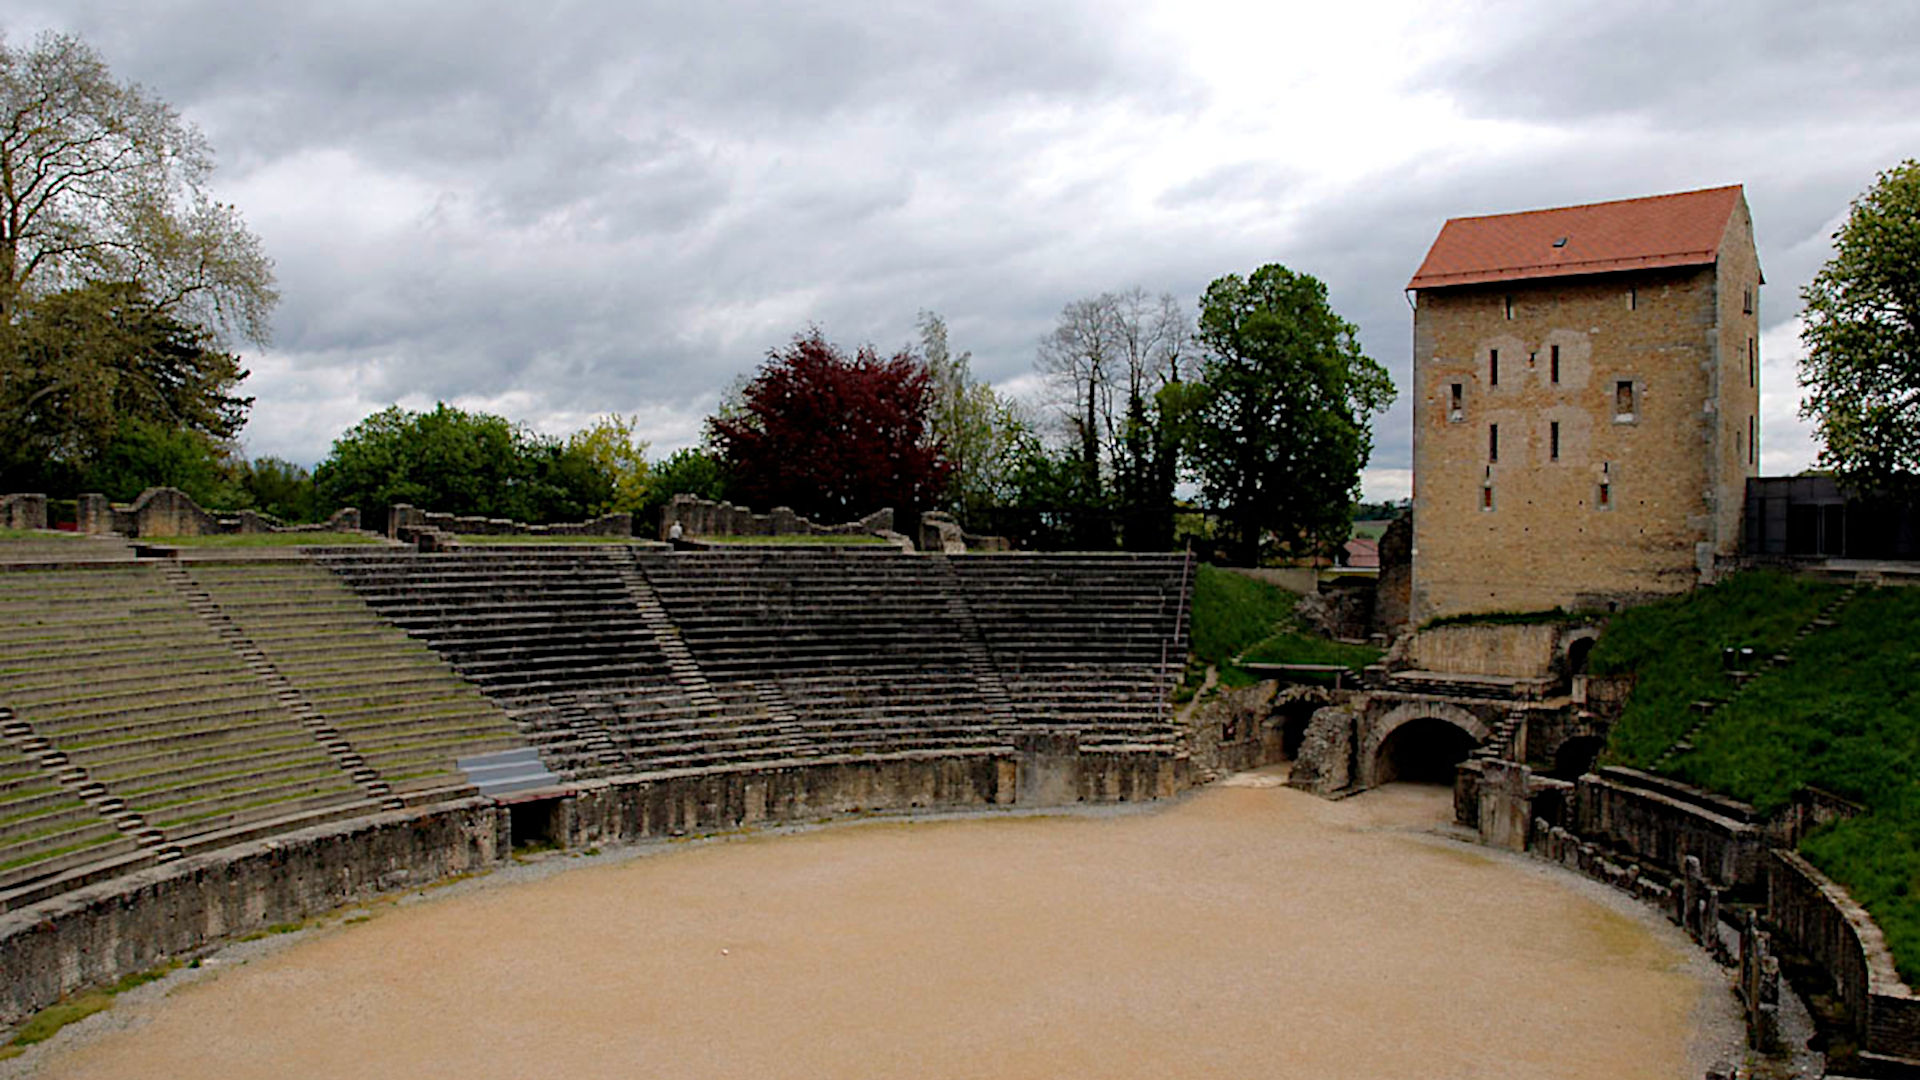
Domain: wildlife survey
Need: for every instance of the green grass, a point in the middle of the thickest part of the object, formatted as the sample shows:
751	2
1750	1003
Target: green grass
794	538
259	540
1673	647
1234	615
484	539
37	534
1293	647
1231	612
1843	716
42	1025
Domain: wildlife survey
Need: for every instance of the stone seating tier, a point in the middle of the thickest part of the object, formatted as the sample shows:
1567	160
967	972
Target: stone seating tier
188	755
400	708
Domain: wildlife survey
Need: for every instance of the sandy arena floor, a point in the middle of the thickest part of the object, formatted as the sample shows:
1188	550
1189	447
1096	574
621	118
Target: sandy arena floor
1249	931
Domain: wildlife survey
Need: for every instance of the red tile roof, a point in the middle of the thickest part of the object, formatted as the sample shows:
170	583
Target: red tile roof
1630	234
1362	553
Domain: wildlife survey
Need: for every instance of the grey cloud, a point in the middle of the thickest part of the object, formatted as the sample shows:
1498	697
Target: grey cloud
1721	66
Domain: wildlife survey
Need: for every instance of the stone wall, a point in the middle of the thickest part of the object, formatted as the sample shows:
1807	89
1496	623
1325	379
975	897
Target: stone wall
1837	934
23	511
97	934
164	512
1661	823
1232	731
1515	651
406	522
701	517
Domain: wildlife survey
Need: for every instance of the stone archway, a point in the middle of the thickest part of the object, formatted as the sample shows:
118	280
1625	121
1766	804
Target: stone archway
1419	740
1579	646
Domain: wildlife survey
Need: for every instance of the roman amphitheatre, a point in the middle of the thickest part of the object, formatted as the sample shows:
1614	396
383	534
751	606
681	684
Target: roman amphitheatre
444	802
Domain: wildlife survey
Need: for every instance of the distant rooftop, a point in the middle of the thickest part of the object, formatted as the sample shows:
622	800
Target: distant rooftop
1682	229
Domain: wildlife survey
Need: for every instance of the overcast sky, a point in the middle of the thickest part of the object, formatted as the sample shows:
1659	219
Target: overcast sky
551	211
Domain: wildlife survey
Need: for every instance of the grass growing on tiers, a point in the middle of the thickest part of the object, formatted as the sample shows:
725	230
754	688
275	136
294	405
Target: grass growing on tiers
1673	647
1843	715
795	538
37	534
485	539
260	540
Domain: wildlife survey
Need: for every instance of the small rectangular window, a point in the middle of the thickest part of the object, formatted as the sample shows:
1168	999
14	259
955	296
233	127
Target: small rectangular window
1753	362
1753	440
1509	307
1456	408
1493	442
1553	441
1606	494
1493	367
1553	359
1633	299
1747	302
1486	496
1623	400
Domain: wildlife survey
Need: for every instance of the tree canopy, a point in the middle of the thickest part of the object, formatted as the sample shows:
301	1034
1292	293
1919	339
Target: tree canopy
78	364
458	462
1862	333
101	182
833	436
1280	432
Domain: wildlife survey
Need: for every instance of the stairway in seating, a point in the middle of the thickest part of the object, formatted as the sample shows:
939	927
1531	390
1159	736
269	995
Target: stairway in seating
959	613
201	602
1822	620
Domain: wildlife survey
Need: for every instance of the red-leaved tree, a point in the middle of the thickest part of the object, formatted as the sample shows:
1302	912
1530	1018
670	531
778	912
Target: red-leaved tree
833	437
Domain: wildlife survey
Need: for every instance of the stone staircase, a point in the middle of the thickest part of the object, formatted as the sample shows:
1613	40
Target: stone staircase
1705	710
131	699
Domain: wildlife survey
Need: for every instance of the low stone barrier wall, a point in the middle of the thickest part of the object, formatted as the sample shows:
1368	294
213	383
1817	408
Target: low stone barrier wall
23	511
404	522
702	517
1639	815
161	512
1838	934
97	934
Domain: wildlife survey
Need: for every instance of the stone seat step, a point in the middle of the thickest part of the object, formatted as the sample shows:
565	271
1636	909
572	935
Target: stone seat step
111	659
443	741
98	724
106	856
243	824
320	655
49	819
57	838
393	696
136	779
215	672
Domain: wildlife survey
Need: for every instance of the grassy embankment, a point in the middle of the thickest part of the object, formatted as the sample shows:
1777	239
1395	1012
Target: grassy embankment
36	534
260	540
1237	618
1843	715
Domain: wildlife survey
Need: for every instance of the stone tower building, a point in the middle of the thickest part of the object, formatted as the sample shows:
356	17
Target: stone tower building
1586	402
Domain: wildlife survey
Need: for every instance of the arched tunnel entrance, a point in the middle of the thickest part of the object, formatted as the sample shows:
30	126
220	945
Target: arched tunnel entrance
1576	756
1424	750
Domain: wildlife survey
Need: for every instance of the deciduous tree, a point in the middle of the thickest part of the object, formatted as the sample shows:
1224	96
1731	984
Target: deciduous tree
78	364
613	446
99	181
980	431
833	436
1862	333
457	462
1281	431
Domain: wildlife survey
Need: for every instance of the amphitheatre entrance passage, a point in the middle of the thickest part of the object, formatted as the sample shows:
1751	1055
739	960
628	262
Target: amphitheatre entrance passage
1250	930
